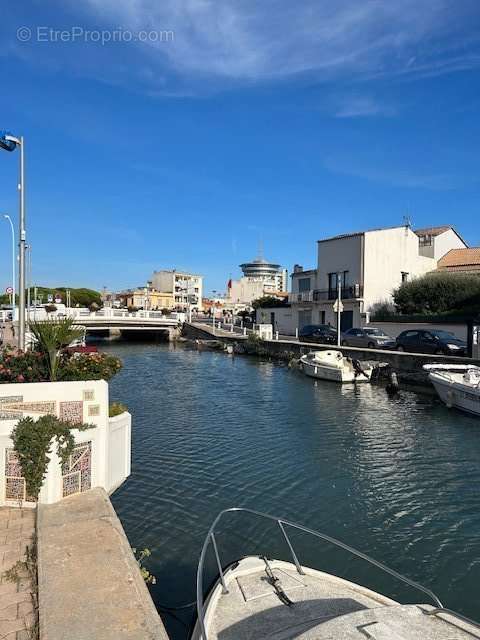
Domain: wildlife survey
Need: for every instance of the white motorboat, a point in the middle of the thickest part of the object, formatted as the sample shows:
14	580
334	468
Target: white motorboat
457	385
257	598
332	365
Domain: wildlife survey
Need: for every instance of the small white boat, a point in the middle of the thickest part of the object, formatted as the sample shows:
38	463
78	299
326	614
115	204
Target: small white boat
257	598
332	365
457	385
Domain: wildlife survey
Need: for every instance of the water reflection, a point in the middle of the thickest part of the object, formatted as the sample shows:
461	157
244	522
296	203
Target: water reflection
396	478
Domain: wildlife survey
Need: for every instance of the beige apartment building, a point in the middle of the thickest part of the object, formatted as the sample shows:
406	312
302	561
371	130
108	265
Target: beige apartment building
369	266
149	299
186	288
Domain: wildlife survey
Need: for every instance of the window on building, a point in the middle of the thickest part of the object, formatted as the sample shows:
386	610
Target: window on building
404	276
322	317
425	241
344	279
332	281
304	284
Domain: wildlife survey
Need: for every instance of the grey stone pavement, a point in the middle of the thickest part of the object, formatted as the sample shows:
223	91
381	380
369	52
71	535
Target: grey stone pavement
17	615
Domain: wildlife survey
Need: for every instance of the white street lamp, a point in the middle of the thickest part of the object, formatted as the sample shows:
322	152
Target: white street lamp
7	217
10	143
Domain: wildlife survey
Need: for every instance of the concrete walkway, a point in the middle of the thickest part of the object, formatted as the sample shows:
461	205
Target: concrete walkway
89	584
17	615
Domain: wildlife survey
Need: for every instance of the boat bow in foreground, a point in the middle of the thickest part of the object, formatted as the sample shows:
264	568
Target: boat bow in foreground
260	599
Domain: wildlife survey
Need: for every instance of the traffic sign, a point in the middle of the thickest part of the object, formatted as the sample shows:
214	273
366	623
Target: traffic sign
338	306
9	290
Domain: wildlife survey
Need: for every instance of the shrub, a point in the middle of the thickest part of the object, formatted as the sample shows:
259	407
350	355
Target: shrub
131	308
116	409
437	293
88	366
32	440
166	311
28	366
381	311
52	336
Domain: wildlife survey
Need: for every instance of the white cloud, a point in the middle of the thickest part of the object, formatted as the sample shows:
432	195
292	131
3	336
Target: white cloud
250	40
362	106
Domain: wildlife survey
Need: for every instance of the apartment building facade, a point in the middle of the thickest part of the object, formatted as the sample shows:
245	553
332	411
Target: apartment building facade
369	266
186	288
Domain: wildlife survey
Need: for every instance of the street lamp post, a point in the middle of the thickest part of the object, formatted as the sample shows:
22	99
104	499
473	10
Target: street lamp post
10	143
7	217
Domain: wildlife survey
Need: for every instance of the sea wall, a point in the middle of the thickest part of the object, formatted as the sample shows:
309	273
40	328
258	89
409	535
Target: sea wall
89	584
407	366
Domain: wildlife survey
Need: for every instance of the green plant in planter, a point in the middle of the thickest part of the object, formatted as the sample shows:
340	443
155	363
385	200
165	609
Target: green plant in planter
116	409
52	336
32	441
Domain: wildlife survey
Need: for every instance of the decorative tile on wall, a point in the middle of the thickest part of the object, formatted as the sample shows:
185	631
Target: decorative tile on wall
89	395
4	402
12	407
77	472
72	411
15	488
94	410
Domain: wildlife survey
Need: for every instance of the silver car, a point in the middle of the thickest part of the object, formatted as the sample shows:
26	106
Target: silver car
369	337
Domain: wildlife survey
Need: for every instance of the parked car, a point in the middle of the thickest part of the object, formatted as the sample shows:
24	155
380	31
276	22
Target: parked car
369	337
321	333
431	341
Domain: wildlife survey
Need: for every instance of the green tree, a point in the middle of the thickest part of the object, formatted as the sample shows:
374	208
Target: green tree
438	293
267	301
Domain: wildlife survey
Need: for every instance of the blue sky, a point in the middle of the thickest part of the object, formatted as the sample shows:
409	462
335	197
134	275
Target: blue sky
236	121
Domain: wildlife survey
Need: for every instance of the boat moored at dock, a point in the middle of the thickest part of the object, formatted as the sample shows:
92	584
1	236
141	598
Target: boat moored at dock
457	385
333	365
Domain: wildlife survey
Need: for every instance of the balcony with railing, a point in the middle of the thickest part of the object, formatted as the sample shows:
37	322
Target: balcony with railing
302	296
351	292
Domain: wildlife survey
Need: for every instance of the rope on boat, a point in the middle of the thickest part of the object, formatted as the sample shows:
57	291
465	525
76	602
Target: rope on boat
275	582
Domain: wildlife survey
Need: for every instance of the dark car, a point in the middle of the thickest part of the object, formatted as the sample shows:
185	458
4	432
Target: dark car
369	337
322	333
431	341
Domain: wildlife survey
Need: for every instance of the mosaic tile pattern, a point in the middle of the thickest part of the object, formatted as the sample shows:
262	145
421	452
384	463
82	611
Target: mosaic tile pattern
14	482
4	402
94	410
89	395
72	411
13	407
77	472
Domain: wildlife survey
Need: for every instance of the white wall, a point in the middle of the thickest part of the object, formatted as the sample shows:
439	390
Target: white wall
83	401
388	253
341	254
446	241
394	329
285	319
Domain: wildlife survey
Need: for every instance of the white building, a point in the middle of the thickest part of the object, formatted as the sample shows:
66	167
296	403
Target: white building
187	288
370	265
260	278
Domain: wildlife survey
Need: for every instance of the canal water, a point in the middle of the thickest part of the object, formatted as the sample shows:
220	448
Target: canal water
398	479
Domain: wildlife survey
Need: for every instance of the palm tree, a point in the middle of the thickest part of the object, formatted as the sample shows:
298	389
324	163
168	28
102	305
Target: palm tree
53	335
